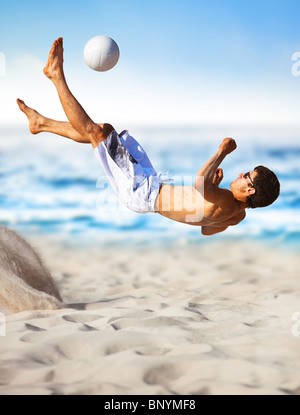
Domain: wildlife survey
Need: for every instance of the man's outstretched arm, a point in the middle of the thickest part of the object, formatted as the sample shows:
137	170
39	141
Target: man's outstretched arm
208	170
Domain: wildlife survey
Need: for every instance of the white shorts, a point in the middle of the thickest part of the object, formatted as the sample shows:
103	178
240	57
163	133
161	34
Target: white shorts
129	171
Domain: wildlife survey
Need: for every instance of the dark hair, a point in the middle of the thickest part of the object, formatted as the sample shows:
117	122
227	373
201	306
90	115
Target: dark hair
267	188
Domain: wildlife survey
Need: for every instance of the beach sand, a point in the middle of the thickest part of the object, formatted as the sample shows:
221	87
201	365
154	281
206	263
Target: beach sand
210	319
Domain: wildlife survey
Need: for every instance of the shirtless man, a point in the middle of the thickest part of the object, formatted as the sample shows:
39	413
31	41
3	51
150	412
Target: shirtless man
133	177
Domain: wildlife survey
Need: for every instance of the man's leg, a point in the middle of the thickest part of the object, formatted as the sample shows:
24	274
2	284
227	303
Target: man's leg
38	124
78	118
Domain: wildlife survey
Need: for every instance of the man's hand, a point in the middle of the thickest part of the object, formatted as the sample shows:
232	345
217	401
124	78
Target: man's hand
218	177
228	145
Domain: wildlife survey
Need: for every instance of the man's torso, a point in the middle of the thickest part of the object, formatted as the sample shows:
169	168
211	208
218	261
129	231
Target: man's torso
186	204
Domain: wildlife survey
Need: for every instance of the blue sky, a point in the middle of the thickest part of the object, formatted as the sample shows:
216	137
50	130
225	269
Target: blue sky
181	62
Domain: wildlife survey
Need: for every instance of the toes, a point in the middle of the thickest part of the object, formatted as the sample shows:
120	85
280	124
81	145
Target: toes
21	105
58	41
20	102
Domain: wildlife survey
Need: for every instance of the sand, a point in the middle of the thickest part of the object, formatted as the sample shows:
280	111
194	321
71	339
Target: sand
213	319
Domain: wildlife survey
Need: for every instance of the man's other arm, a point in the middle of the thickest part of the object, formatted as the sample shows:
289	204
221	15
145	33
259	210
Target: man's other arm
211	230
207	172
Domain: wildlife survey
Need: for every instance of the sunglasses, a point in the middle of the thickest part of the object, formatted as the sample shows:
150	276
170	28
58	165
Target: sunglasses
248	176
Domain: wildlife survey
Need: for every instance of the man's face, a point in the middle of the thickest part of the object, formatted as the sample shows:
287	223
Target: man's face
243	184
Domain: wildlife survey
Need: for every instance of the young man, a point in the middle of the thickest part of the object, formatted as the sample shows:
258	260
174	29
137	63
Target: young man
133	177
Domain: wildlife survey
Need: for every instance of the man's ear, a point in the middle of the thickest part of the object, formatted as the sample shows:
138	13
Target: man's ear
251	191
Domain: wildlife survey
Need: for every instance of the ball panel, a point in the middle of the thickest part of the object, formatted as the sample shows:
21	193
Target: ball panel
95	60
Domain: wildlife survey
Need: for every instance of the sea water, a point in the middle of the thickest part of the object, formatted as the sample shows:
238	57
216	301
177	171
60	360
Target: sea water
52	185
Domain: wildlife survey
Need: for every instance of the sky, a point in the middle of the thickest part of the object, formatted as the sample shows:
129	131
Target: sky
181	62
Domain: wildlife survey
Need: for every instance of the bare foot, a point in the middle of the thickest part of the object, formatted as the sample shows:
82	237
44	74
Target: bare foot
54	66
35	119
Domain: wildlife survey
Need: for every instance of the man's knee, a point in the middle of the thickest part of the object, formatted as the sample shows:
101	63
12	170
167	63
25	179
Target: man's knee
99	132
106	130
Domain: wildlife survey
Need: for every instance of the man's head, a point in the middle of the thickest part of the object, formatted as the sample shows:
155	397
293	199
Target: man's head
257	188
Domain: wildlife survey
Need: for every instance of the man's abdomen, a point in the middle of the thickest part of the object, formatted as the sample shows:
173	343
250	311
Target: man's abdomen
181	203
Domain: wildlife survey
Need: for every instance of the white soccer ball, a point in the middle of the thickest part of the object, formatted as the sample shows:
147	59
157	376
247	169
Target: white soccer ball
101	53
